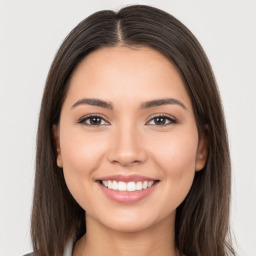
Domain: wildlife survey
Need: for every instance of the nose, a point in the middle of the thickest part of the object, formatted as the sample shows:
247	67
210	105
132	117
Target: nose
126	147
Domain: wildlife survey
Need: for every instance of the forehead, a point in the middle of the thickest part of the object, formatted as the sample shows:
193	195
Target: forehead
126	73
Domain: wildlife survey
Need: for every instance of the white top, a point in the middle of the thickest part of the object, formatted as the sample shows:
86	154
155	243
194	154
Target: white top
67	251
69	248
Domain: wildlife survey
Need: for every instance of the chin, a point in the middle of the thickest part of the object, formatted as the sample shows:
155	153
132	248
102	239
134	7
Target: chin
130	227
135	222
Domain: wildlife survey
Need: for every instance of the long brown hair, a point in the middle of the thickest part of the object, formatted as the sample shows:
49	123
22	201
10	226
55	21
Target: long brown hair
202	220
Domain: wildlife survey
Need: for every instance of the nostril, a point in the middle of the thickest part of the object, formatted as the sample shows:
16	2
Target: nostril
127	153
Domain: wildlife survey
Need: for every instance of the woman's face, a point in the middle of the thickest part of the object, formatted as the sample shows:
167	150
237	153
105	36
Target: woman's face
127	138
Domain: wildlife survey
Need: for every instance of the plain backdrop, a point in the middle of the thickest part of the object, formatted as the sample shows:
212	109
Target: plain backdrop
30	34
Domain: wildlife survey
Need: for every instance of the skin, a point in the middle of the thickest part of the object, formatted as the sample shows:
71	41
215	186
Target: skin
128	140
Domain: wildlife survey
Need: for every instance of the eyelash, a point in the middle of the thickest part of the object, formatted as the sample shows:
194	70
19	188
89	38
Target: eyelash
88	117
171	119
164	116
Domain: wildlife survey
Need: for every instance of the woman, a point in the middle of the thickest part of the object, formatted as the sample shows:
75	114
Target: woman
132	152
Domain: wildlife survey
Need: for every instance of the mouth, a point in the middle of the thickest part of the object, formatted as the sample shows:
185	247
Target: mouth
127	189
130	186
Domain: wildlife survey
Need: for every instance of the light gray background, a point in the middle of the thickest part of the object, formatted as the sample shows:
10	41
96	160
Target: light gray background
31	32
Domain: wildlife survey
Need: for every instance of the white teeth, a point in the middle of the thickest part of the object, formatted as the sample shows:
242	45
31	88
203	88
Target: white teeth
150	183
129	186
114	185
145	185
110	184
139	185
121	186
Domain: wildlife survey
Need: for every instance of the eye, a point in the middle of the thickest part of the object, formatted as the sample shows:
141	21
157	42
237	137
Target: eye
93	120
162	120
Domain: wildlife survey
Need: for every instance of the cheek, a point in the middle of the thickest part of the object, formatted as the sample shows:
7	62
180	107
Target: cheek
175	156
176	152
81	156
80	153
180	157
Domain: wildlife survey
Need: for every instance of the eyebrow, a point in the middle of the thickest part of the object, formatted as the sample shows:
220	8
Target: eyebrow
94	102
145	105
160	102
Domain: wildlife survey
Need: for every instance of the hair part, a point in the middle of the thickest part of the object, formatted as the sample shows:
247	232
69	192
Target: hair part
202	220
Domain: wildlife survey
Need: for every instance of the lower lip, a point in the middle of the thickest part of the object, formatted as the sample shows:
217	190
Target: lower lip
125	196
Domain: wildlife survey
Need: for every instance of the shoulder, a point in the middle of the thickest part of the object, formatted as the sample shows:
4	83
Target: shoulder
67	252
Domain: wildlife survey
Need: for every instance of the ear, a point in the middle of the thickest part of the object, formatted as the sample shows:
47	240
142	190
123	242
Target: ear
57	145
202	151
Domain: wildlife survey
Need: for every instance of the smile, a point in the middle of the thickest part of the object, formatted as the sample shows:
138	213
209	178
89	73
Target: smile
127	186
127	189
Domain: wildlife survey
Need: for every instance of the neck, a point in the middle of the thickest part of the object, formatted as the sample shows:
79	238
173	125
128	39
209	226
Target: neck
99	240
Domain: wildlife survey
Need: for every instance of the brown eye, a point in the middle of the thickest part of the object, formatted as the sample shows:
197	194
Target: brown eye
162	120
93	121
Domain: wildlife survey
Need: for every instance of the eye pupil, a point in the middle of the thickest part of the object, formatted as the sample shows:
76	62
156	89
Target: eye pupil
95	120
160	120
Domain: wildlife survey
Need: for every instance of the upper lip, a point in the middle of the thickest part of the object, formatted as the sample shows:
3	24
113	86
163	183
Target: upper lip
126	178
